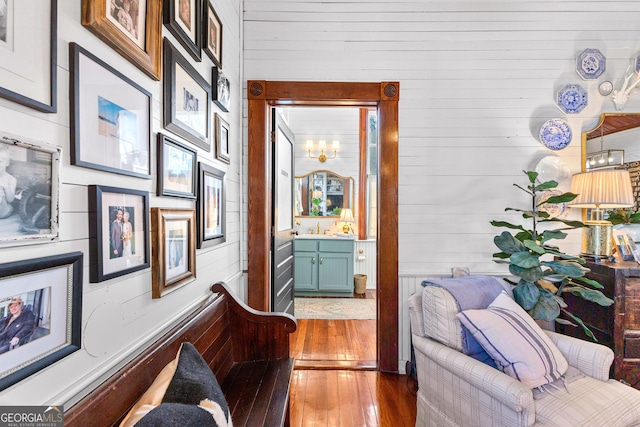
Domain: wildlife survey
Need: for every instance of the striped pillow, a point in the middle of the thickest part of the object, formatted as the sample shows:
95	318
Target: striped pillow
517	344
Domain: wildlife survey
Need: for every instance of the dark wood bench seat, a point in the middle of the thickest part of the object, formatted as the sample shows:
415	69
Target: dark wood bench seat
247	350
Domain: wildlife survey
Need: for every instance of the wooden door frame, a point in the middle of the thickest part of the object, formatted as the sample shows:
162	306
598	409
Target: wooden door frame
261	95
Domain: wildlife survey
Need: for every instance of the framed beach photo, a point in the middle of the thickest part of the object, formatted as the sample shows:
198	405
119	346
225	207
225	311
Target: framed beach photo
212	34
110	118
118	232
222	140
28	53
211	206
187	95
133	28
183	19
44	295
29	191
222	92
176	169
173	232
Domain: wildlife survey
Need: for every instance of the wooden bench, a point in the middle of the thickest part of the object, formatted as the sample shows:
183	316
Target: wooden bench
247	350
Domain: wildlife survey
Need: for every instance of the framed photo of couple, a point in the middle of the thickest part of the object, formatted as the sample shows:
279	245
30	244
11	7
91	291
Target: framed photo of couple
118	232
44	296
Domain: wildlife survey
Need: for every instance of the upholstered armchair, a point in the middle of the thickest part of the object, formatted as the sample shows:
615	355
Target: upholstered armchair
457	389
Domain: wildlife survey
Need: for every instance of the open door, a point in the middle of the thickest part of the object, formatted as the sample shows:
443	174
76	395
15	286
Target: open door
282	240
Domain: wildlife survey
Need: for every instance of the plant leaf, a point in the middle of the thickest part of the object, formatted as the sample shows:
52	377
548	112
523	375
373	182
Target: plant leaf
506	224
547	308
552	234
532	176
534	247
546	185
525	259
527	274
507	243
581	323
567	268
587	281
526	294
562	198
501	255
524	235
590	295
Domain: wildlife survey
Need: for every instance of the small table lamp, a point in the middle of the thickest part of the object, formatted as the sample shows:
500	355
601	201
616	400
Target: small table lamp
346	216
600	190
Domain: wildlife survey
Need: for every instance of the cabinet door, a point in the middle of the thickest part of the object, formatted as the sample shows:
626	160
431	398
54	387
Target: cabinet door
306	271
335	271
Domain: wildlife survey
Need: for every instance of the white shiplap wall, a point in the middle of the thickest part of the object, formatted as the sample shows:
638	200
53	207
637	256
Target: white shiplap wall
119	316
477	80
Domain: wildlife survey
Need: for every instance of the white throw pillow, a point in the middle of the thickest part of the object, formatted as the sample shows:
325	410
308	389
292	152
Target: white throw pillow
518	345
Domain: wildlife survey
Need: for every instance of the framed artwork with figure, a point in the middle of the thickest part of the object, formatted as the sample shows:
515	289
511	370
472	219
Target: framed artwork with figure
211	206
118	232
212	34
222	92
183	19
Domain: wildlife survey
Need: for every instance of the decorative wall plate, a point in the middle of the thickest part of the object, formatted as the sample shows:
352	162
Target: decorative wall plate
552	168
572	98
605	88
555	210
555	134
591	64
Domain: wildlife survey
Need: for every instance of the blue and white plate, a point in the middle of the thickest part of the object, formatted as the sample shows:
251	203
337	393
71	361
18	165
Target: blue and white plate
591	64
555	134
555	210
572	98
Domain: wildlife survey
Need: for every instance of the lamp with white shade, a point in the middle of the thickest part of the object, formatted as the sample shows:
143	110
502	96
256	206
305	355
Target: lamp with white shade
600	190
346	216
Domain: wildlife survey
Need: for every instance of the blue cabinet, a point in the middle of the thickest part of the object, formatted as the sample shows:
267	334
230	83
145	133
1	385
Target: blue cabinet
323	267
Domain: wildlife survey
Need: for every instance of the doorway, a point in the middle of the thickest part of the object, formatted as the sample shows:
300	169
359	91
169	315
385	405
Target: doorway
384	97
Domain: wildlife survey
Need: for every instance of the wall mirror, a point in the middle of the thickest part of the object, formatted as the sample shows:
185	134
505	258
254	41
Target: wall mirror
322	193
615	143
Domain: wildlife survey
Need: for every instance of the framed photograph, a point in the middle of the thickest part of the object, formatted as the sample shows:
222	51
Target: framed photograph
29	191
187	97
173	232
635	251
222	92
621	241
40	314
110	118
212	34
183	19
28	53
211	206
118	232
222	140
176	169
133	28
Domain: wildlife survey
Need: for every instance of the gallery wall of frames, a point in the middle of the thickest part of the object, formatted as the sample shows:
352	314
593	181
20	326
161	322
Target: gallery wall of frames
120	181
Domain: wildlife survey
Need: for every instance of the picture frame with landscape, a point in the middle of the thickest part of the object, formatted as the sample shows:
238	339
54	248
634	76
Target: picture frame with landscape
183	18
46	296
174	249
176	168
118	232
28	53
211	206
29	191
133	28
187	99
110	118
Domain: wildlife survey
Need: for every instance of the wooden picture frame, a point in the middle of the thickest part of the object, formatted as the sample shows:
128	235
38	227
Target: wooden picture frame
621	241
187	106
212	33
116	249
221	94
134	35
110	117
211	206
47	292
222	140
635	251
183	18
177	167
29	212
29	55
173	232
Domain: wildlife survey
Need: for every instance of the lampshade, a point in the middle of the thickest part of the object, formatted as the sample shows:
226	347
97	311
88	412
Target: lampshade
602	189
346	215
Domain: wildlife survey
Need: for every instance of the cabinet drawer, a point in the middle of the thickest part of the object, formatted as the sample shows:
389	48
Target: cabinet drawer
334	246
305	245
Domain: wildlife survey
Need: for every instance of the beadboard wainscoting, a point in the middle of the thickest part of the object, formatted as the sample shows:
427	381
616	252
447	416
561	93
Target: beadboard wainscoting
366	265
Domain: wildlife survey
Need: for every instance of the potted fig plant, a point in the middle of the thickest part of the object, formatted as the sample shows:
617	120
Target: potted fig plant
545	273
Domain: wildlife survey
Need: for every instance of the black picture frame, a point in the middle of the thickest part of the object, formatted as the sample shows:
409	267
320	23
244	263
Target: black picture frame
22	89
186	104
211	206
108	253
110	121
177	168
222	93
222	140
212	33
176	21
53	282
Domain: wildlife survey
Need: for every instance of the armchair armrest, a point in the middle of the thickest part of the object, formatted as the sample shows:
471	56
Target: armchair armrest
590	358
494	383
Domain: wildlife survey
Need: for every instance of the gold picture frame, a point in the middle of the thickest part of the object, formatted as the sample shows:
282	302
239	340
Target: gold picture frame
108	20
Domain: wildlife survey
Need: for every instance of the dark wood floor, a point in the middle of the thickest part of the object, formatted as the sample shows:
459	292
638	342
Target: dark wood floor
336	382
